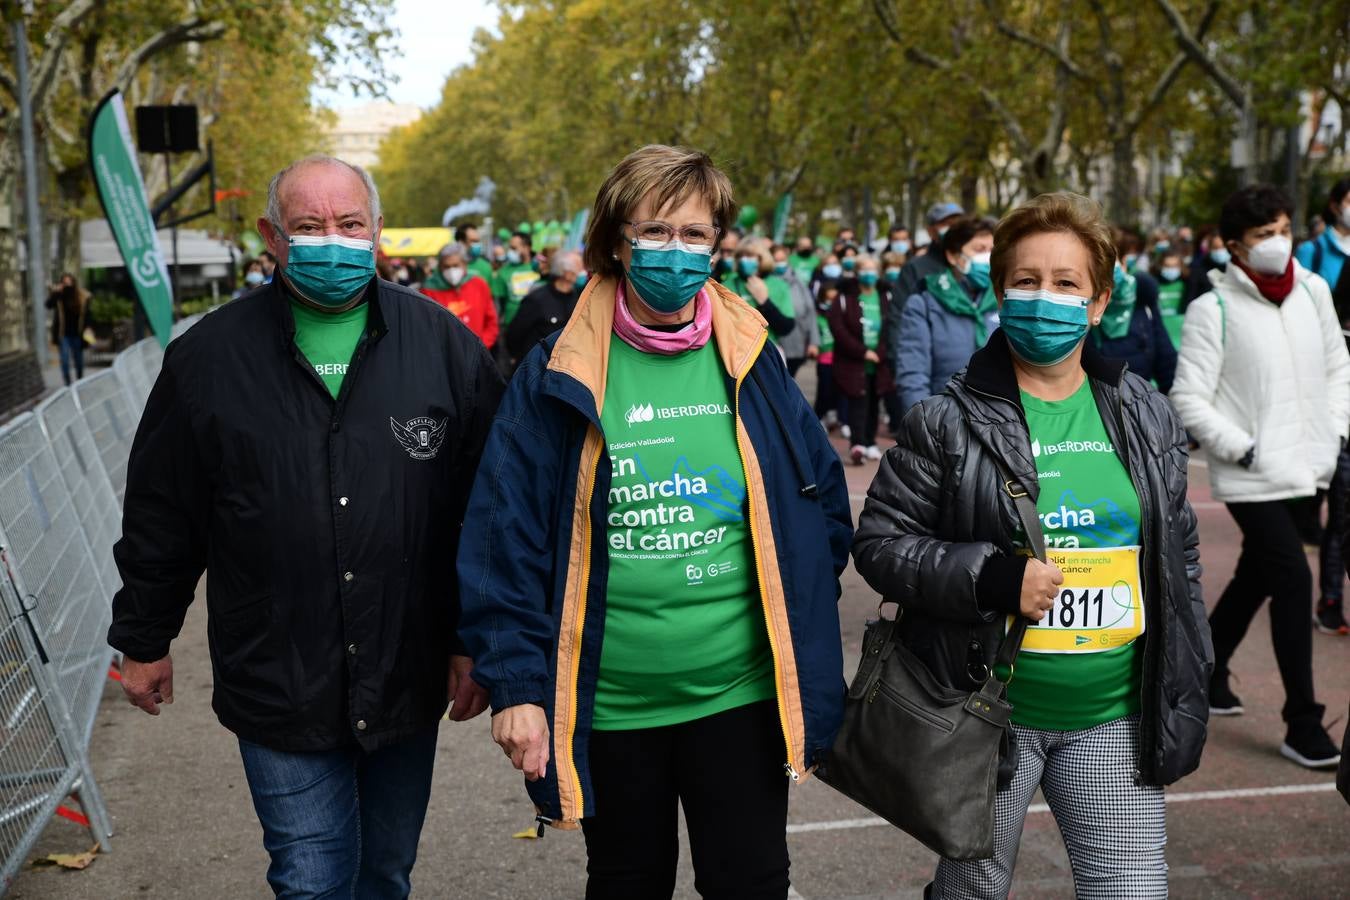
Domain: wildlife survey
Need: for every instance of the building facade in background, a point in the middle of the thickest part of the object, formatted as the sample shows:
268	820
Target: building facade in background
359	130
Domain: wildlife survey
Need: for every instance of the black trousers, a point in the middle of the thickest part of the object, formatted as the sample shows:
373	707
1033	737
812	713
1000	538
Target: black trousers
726	770
1272	565
1331	559
863	414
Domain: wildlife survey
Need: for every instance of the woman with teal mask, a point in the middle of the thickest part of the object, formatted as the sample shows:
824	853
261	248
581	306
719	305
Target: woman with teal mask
1133	329
1109	686
950	318
861	370
768	293
650	589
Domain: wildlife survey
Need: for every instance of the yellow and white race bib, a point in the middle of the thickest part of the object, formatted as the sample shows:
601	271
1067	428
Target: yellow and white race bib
1100	605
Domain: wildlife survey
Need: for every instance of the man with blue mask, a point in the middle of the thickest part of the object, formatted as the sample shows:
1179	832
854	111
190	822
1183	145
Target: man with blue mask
516	277
311	447
940	217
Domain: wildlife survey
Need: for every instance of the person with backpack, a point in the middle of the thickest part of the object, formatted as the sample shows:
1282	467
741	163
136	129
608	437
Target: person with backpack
1263	383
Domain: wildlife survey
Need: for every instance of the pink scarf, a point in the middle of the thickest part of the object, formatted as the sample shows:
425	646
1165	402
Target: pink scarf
666	343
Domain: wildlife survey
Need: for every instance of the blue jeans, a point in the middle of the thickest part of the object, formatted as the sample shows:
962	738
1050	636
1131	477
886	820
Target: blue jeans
341	823
72	352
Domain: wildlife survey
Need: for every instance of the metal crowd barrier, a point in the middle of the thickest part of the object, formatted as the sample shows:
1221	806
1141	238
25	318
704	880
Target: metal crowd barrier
62	479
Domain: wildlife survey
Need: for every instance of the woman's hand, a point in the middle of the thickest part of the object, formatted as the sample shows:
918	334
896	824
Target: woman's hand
871	356
1040	589
813	352
522	732
758	289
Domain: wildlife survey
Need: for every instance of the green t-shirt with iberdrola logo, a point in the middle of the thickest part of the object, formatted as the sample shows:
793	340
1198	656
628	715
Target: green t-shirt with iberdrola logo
684	633
328	340
871	323
1169	305
1089	672
509	287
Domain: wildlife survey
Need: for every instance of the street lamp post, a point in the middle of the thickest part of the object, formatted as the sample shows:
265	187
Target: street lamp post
37	251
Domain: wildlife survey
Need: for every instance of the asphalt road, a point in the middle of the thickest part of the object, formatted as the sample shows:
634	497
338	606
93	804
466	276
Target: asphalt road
185	826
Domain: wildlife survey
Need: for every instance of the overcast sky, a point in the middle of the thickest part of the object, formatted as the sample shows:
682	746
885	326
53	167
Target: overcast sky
434	37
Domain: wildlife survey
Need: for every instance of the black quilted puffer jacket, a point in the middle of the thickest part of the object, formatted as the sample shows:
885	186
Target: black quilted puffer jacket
936	536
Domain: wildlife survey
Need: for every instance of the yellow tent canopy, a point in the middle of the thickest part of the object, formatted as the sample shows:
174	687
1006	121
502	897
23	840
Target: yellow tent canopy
414	241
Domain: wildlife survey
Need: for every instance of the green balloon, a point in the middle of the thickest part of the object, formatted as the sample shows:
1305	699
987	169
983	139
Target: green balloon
503	234
749	216
538	227
553	224
523	227
567	228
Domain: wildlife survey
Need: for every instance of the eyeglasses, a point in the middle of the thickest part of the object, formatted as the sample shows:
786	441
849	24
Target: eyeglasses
660	232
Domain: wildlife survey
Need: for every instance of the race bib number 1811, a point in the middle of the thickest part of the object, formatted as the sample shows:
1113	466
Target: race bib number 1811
1100	605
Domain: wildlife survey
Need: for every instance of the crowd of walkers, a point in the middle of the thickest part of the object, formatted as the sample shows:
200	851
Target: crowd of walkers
595	500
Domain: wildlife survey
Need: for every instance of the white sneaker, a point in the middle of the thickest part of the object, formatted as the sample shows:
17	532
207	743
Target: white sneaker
874	452
845	432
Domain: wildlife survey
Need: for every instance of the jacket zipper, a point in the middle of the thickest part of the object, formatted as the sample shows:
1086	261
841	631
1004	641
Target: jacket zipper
788	744
577	628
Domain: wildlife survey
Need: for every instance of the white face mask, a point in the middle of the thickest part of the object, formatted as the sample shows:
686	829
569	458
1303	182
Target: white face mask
1271	256
454	274
1345	217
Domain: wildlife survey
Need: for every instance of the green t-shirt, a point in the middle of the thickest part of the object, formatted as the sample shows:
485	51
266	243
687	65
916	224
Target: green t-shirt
826	335
780	295
871	322
510	285
482	268
684	627
804	266
328	340
1087	501
1169	304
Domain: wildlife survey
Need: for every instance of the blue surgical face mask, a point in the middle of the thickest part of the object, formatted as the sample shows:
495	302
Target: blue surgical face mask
867	279
849	263
1221	257
831	270
892	274
780	268
977	272
899	246
749	267
513	257
475	250
253	279
667	276
329	270
1043	328
1170	273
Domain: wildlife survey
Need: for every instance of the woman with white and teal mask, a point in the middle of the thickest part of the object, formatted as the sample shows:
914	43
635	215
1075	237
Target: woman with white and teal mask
1109	684
650	597
950	318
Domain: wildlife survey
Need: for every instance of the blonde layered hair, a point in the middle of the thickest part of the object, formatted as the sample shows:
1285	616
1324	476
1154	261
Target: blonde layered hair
671	175
1058	212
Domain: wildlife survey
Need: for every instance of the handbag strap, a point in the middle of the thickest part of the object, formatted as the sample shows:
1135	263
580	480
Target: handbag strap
1031	524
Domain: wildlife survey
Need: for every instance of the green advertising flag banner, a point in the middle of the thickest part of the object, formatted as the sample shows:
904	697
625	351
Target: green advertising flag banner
780	217
112	156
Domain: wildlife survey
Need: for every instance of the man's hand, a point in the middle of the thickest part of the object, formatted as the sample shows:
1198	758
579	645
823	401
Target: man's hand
467	697
1040	588
148	684
522	732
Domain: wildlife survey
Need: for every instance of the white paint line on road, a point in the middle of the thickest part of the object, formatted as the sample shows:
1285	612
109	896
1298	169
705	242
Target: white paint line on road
1191	797
793	895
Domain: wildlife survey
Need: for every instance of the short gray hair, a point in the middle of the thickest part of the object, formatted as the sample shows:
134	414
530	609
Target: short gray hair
454	248
564	261
273	213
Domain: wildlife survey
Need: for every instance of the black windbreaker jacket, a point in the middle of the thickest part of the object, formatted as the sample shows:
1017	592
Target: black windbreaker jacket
327	529
938	524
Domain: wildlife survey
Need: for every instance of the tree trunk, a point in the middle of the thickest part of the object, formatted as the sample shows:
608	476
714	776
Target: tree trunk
72	188
1120	202
13	298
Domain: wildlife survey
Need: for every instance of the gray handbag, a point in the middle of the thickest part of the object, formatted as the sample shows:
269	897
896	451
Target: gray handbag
923	756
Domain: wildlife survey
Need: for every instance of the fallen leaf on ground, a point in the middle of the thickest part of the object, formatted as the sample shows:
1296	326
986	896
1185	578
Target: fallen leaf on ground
69	860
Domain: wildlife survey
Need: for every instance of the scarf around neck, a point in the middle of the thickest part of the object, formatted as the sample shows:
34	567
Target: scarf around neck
1115	322
664	343
953	297
1274	288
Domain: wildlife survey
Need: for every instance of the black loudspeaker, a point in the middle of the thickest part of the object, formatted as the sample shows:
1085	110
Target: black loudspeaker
166	129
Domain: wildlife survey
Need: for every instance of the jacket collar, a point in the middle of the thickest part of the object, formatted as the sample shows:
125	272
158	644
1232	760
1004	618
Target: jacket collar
582	350
991	369
376	325
1233	281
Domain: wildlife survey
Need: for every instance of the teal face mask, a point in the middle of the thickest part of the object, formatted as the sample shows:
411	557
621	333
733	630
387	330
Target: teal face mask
749	267
848	263
867	279
1043	328
780	268
329	270
580	282
667	276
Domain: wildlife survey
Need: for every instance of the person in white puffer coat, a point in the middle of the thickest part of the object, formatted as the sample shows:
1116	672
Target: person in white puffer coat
1263	383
